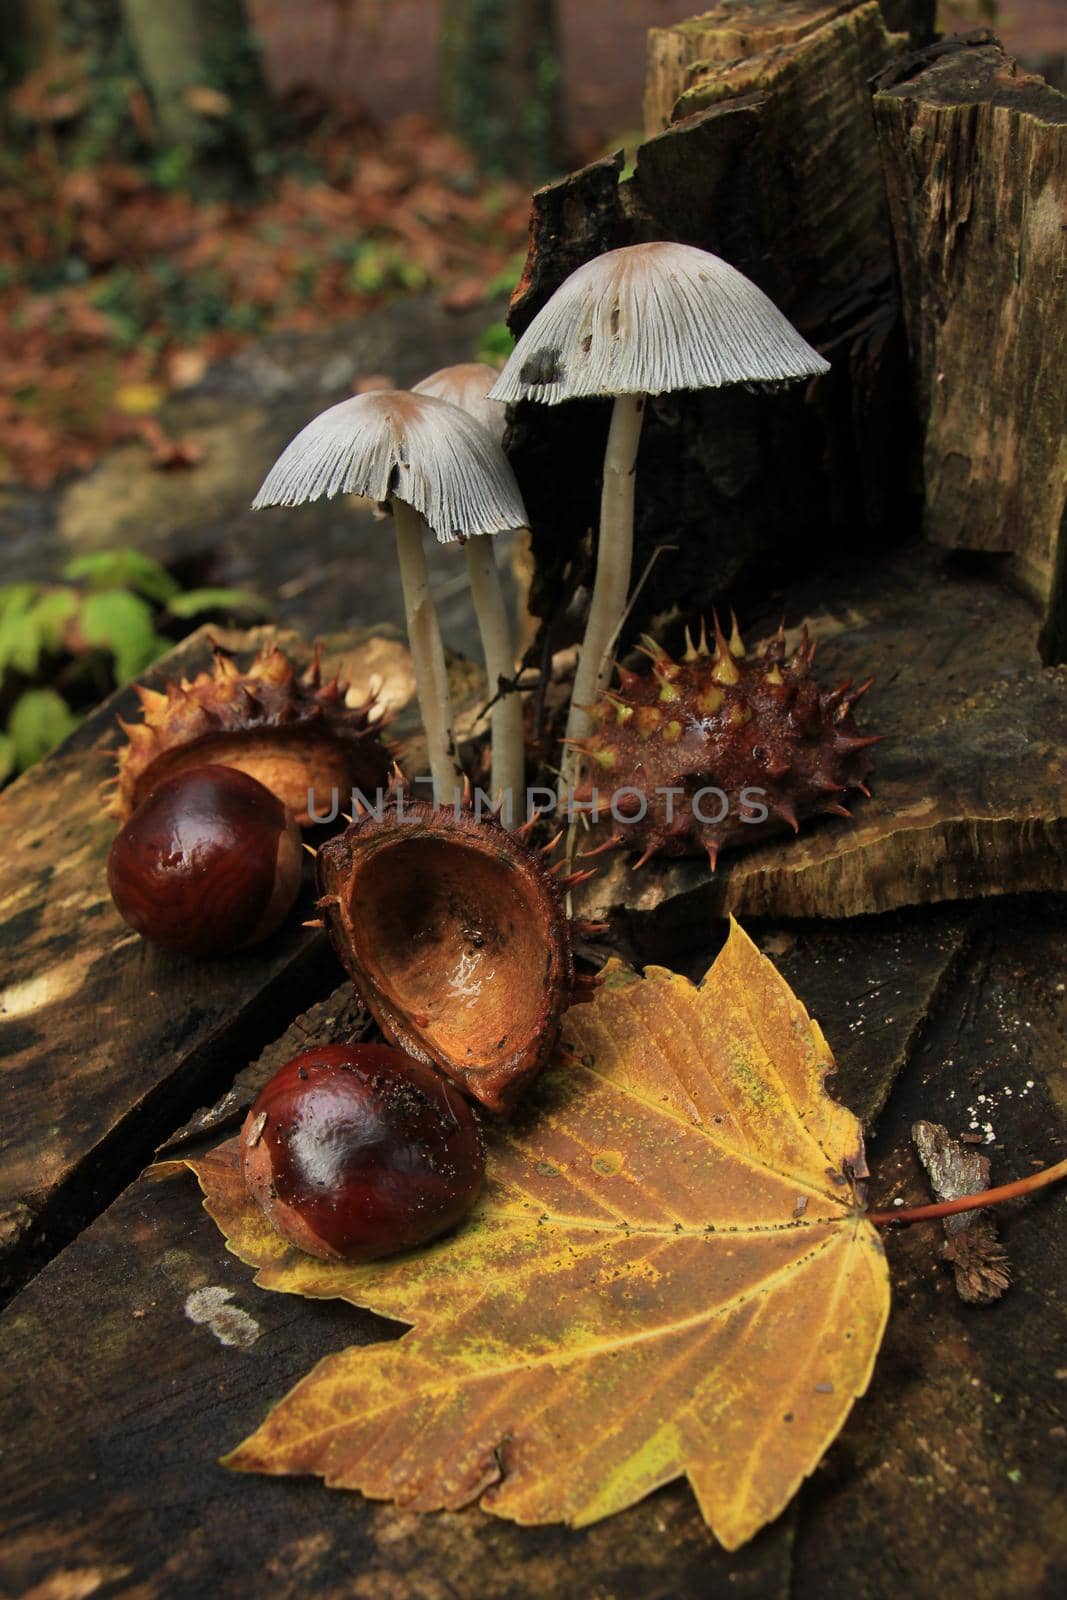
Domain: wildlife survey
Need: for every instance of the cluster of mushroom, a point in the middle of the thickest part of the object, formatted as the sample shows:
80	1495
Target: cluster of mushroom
636	322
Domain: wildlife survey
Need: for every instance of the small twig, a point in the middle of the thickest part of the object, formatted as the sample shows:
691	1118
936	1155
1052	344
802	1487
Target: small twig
508	686
971	1202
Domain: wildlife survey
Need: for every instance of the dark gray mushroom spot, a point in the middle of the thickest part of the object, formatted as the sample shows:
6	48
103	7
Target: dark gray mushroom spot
544	366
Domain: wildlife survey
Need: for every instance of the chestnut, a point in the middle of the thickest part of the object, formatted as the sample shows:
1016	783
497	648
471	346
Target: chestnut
359	1151
209	862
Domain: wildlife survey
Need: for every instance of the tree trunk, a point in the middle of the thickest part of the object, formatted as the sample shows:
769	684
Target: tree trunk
199	61
500	83
975	156
32	33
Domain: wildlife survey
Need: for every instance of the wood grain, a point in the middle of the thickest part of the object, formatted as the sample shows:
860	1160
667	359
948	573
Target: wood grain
975	158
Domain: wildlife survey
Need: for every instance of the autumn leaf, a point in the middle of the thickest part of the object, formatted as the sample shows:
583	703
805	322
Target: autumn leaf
669	1273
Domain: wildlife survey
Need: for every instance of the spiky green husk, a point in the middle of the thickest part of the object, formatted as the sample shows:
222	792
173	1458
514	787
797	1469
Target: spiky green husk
721	719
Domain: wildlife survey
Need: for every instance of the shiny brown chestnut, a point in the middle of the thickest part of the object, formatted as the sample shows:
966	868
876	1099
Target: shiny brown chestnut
208	863
358	1151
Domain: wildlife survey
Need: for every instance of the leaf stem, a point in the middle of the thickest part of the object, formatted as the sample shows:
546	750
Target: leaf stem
972	1202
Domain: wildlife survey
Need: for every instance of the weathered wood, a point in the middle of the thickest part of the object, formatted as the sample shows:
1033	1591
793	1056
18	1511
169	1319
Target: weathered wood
105	1040
116	1405
99	1032
341	1018
779	173
967	1409
872	987
687	53
970	785
975	156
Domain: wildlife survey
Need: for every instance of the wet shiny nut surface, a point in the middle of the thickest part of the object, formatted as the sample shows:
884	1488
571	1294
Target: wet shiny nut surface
209	863
358	1151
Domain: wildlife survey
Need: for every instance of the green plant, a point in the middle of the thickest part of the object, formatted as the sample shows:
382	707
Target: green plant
65	645
495	344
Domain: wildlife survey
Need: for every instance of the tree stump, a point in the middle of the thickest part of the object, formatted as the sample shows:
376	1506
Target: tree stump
975	158
685	55
777	170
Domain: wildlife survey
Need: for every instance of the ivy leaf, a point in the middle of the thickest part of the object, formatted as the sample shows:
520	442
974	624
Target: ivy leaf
495	344
123	624
669	1273
196	601
40	720
123	569
50	615
8	758
19	641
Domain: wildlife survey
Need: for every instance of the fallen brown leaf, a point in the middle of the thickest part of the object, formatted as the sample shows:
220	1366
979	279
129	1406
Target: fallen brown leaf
972	1247
166	453
669	1273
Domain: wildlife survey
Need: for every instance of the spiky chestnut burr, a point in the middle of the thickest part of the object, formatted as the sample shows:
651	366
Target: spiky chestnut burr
456	934
757	728
289	730
208	863
354	1152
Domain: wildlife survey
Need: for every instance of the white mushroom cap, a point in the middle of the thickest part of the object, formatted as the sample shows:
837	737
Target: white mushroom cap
651	318
467	386
394	444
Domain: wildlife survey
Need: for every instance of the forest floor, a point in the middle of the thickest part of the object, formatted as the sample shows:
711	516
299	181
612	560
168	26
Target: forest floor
117	290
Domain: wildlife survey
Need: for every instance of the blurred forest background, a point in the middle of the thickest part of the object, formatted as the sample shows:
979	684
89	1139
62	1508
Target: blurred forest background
218	216
178	178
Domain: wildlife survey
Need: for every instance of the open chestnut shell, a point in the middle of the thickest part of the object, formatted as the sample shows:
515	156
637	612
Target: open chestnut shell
290	730
356	1151
456	935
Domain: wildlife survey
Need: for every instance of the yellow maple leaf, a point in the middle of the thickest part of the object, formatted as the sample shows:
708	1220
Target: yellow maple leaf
669	1272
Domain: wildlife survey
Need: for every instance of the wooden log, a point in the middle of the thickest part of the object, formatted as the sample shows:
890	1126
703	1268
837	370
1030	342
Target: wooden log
116	1404
975	156
780	174
107	1042
970	785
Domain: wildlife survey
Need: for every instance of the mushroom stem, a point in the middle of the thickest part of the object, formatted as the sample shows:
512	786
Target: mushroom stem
498	646
610	589
427	655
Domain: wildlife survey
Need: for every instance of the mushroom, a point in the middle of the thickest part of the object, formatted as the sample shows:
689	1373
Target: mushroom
641	321
429	460
467	386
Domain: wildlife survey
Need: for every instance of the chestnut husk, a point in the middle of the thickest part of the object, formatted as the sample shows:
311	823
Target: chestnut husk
456	934
289	730
721	717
